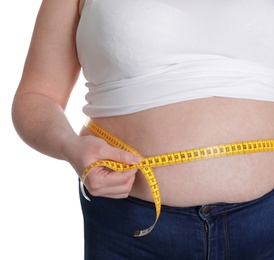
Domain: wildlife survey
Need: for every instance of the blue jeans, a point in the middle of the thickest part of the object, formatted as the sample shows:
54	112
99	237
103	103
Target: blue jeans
241	231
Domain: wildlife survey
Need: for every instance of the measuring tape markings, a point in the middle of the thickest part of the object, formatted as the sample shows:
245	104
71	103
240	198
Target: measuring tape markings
146	165
119	167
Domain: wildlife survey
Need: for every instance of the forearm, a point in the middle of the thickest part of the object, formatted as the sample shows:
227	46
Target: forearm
42	124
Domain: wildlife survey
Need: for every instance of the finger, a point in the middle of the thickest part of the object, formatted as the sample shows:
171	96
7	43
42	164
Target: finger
117	196
121	190
119	155
112	192
101	177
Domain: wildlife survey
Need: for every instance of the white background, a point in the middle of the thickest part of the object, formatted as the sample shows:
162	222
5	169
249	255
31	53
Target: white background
40	214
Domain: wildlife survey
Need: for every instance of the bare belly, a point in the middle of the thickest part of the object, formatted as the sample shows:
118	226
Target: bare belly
193	124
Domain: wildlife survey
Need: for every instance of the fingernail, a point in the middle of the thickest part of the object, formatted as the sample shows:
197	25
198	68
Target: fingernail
136	159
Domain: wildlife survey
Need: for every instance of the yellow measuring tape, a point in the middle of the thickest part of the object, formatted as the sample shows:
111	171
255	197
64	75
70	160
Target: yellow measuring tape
147	164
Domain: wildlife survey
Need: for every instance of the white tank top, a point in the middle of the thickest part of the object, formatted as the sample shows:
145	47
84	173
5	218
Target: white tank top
140	54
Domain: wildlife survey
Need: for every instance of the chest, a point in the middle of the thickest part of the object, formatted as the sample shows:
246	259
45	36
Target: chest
134	36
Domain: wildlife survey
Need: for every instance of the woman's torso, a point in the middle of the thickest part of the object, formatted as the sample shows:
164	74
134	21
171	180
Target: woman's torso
194	124
204	121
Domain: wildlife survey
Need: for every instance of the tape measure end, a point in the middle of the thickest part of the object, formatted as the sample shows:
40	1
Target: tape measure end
83	191
140	233
137	233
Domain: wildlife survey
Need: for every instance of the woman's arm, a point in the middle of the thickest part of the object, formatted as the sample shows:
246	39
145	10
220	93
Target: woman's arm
50	73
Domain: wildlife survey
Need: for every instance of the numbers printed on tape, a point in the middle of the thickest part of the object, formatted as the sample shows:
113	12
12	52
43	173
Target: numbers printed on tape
148	163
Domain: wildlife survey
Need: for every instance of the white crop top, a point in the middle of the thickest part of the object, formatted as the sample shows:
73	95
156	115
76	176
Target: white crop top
140	54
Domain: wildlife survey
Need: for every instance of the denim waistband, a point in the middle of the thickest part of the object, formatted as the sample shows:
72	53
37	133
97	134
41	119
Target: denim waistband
207	209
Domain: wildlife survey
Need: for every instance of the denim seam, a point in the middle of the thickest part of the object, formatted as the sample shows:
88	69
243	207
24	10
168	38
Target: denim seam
164	208
204	234
227	240
208	241
246	204
230	210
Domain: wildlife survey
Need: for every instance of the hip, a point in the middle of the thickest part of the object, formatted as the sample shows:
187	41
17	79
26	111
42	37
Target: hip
215	231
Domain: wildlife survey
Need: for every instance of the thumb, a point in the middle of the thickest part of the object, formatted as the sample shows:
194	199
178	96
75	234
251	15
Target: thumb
122	156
